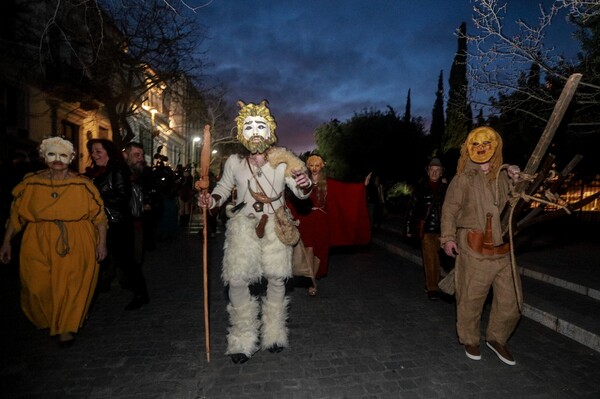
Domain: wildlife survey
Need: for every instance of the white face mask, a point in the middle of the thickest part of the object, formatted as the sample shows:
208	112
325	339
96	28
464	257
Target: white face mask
58	153
257	134
256	127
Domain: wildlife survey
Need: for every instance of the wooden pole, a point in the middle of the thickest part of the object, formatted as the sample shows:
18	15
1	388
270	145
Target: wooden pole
203	185
542	146
557	114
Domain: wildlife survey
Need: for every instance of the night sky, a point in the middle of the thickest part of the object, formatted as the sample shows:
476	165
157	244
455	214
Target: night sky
318	60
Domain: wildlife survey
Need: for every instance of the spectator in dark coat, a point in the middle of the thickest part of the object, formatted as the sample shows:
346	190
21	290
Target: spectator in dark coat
111	176
423	222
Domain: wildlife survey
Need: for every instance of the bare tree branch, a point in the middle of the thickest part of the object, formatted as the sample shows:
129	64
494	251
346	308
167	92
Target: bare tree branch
187	5
503	50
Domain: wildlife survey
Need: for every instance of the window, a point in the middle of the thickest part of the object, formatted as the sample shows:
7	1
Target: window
70	131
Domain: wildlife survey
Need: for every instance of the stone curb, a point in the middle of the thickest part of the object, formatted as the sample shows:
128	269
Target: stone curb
562	327
578	288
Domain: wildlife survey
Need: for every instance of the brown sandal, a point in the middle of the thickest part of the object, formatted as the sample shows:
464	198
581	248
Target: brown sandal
312	291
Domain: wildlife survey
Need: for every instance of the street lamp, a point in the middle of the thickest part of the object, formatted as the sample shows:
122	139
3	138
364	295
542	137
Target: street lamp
195	140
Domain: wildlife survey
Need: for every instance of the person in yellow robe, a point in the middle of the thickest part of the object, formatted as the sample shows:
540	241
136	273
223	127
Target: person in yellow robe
63	241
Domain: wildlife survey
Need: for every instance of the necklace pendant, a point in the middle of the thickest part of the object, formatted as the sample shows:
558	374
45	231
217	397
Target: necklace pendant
54	194
258	206
259	172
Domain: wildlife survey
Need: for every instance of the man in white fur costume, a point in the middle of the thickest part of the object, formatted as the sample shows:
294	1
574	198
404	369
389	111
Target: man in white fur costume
252	248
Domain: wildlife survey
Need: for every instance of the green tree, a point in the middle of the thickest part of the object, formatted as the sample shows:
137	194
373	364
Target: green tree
407	112
373	141
458	110
438	123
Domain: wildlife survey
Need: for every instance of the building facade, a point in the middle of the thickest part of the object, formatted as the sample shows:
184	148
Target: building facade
54	83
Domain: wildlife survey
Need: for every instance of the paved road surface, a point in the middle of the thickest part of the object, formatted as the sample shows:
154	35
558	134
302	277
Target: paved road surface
370	333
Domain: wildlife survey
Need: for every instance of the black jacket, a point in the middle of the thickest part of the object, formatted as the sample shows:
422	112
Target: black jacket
426	204
114	185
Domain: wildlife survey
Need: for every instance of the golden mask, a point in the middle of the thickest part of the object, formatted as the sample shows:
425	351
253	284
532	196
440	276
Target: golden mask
481	144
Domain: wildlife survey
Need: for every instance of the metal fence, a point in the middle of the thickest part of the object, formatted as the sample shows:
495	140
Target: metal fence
573	191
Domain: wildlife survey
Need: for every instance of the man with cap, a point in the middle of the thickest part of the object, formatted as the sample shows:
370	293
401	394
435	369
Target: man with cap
423	222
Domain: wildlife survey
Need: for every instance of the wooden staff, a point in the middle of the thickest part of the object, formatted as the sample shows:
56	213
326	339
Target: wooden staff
202	185
525	187
542	146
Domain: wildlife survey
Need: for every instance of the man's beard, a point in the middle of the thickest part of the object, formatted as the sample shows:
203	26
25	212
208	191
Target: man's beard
257	146
136	167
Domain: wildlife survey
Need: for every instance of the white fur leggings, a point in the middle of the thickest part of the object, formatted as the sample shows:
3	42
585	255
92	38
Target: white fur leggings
239	291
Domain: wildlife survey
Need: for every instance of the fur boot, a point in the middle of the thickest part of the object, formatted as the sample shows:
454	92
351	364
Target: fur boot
274	320
243	333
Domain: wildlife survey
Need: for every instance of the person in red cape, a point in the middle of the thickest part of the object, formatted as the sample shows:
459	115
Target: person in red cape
335	215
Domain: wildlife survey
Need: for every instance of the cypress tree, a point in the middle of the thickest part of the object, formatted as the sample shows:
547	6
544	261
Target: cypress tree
458	110
407	115
438	124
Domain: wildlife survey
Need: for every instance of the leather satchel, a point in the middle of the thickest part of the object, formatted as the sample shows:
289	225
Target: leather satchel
286	227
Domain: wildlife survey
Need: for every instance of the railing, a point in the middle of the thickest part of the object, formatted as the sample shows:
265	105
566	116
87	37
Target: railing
573	191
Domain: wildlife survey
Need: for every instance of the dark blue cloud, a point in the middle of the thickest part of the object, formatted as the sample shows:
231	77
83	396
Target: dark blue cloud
321	60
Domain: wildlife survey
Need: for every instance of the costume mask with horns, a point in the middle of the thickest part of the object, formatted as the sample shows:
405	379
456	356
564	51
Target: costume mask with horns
256	126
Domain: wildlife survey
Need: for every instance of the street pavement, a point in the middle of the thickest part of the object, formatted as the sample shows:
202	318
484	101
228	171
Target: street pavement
369	333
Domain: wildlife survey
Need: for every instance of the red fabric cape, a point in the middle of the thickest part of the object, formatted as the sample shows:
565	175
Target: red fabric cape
347	214
345	223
